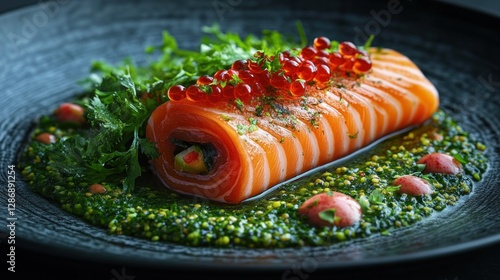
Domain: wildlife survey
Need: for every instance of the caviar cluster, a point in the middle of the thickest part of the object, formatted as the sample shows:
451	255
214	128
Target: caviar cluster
285	74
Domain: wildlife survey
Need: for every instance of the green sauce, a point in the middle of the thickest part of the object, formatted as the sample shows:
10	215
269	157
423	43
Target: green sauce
153	212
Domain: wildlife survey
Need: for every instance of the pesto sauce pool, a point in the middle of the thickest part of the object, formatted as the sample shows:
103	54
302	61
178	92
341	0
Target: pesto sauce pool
153	212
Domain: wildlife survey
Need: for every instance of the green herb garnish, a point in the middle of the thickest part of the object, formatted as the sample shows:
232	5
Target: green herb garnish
328	215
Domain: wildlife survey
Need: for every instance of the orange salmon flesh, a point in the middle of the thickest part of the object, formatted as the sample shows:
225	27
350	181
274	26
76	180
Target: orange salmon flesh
324	125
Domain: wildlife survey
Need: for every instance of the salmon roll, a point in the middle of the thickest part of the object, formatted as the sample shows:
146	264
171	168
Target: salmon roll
235	138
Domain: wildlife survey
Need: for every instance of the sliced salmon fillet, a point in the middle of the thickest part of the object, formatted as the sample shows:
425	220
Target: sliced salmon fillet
294	135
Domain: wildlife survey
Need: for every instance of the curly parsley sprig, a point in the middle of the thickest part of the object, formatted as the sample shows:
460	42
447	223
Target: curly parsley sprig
112	146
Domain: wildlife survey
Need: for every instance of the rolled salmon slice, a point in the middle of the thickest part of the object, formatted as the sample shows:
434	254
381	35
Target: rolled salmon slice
322	126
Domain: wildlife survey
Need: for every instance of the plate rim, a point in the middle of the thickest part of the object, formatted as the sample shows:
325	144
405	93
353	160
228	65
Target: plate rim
425	254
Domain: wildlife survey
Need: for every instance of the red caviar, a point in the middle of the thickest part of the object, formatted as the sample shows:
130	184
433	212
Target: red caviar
348	49
215	94
290	66
321	43
246	76
308	52
323	74
194	93
362	64
259	76
307	70
297	88
242	90
204	80
279	81
228	92
239	65
336	59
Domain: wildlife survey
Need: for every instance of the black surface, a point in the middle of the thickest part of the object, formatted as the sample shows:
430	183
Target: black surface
456	49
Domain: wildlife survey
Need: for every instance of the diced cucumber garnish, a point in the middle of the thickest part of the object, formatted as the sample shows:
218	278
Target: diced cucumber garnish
191	161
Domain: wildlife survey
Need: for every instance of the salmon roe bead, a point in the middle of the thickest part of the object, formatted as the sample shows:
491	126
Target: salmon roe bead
321	43
308	52
204	80
176	93
298	88
195	94
348	49
279	81
307	70
362	64
215	95
242	90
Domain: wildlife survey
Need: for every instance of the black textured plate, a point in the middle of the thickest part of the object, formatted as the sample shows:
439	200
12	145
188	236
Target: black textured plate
45	49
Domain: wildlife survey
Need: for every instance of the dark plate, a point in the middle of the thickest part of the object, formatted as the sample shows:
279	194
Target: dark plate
47	48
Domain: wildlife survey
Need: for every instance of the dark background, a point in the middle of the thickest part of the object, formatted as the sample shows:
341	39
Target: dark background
486	6
481	263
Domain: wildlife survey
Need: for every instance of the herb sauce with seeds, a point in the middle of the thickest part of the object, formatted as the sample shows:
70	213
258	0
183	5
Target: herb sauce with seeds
156	213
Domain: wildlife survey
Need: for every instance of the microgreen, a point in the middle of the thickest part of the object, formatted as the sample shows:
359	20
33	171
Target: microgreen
328	215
